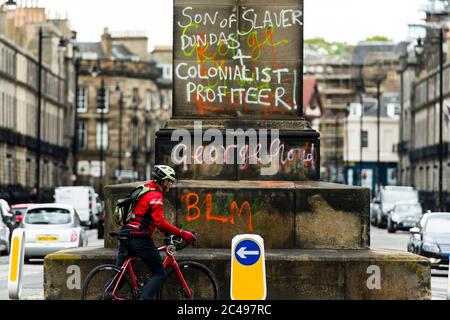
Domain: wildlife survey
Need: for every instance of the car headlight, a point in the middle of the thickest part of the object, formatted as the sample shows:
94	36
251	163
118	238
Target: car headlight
431	247
395	217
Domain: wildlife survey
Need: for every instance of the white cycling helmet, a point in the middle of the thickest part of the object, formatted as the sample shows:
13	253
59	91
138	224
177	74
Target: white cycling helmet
161	173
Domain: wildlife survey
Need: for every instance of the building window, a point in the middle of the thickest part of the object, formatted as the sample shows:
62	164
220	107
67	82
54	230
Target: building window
82	135
158	100
99	92
148	100
148	138
365	139
11	169
167	72
83	99
29	173
134	134
102	135
165	102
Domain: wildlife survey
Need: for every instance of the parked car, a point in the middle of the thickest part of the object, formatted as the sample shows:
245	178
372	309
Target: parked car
50	228
386	200
5	239
6	216
84	200
404	216
431	239
18	212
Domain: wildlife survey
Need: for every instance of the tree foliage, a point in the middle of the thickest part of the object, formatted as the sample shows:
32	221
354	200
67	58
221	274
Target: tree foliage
378	39
323	46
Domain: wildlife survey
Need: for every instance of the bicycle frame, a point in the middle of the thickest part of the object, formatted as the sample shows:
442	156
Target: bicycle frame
169	261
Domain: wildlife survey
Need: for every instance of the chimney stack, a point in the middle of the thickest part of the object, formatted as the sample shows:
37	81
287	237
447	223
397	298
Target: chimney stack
106	42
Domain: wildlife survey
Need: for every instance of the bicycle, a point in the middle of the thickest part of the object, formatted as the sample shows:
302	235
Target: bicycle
186	280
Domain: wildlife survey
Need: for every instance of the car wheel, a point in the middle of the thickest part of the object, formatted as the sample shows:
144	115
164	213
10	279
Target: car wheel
390	226
91	223
375	221
379	222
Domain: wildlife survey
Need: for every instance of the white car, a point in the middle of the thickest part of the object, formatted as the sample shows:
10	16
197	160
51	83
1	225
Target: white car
51	228
4	239
5	229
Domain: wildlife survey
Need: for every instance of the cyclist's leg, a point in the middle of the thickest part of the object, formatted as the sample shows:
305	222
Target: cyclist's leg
146	250
122	256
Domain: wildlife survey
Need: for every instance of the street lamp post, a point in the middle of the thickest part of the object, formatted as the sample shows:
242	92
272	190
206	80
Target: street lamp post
39	111
336	132
361	101
62	44
347	148
378	134
121	107
75	136
441	118
102	107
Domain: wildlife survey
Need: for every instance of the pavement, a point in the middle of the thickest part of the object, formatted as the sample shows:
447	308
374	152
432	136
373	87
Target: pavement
380	239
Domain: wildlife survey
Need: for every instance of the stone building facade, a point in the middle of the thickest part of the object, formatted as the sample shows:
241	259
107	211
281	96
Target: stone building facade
19	100
420	117
339	81
137	106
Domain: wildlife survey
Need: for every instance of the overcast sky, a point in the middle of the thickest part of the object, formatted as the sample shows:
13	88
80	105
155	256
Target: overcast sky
334	20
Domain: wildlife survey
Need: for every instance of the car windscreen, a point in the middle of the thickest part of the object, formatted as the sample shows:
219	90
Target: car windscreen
409	209
48	216
398	196
19	212
438	225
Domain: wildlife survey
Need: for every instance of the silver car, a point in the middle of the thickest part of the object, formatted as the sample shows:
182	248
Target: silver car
51	228
4	238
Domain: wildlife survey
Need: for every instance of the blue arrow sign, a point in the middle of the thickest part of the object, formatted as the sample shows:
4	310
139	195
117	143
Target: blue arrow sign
247	253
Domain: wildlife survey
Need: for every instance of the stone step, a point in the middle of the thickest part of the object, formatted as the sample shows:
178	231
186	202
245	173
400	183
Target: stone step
291	274
287	215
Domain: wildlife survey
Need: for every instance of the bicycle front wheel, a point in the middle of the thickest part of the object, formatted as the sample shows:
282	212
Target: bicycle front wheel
101	282
200	280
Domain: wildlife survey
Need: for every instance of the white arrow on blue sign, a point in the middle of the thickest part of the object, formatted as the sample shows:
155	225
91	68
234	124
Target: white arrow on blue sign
248	252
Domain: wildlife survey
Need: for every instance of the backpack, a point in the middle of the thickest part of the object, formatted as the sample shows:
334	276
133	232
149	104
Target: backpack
123	211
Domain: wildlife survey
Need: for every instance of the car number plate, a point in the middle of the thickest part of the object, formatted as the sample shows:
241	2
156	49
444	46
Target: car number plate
47	238
409	224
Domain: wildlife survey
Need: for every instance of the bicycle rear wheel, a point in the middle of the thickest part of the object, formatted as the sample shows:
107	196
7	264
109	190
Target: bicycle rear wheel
102	280
200	280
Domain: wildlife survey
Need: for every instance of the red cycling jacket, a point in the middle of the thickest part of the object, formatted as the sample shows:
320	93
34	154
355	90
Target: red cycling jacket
149	215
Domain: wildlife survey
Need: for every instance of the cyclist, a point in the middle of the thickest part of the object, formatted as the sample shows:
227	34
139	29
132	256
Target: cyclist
138	232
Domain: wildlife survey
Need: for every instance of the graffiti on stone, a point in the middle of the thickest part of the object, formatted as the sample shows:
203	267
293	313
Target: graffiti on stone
233	59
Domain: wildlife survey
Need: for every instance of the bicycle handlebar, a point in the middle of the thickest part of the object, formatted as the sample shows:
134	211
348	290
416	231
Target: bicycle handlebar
178	242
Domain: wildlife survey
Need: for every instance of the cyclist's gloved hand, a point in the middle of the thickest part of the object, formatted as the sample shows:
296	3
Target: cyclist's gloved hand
188	237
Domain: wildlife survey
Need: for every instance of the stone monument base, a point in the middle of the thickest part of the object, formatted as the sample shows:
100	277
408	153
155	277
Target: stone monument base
291	274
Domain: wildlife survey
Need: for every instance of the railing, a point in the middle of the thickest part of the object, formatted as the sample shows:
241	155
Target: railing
17	139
